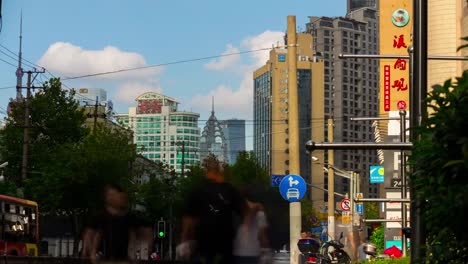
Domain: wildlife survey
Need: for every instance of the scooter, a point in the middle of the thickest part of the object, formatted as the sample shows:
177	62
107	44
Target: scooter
333	251
310	250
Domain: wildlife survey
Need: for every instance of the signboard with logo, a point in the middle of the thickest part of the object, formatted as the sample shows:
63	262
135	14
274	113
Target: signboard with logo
377	174
281	57
395	38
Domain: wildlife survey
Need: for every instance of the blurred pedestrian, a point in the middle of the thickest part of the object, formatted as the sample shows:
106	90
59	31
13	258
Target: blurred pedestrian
108	234
251	243
208	222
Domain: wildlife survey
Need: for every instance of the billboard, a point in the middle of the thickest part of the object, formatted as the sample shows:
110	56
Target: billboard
395	39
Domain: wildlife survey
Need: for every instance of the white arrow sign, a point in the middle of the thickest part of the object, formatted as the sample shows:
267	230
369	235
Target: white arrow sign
292	181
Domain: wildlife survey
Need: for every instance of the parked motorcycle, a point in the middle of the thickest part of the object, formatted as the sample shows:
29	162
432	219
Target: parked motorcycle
333	251
310	249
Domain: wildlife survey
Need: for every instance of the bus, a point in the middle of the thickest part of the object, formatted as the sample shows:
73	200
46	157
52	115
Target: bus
19	226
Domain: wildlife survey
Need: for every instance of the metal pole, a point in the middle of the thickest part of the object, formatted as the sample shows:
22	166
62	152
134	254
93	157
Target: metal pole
295	224
418	112
24	164
373	118
390	56
311	146
403	179
331	185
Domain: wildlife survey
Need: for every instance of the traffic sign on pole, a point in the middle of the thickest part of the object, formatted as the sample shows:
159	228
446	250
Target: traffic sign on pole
292	188
345	204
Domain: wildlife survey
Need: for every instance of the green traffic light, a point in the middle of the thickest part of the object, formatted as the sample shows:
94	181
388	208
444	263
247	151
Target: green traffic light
161	234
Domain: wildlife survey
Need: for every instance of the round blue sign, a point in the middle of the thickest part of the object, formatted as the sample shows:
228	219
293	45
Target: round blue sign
292	187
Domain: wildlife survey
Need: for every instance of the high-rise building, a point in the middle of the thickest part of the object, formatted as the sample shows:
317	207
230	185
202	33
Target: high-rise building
213	141
444	37
357	4
89	96
234	132
271	126
162	133
351	87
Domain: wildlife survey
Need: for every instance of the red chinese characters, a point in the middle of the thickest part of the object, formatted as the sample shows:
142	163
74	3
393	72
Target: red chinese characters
400	85
400	64
387	87
399	42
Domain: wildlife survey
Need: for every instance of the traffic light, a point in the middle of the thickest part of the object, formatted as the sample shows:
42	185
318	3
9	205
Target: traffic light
161	229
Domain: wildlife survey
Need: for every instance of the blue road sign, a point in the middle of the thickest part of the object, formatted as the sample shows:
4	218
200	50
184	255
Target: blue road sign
292	187
276	180
360	208
376	174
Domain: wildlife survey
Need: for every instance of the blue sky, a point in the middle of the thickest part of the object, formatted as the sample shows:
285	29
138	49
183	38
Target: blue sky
72	38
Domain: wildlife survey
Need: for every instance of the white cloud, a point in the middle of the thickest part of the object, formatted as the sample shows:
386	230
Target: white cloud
264	40
69	60
231	102
225	62
128	91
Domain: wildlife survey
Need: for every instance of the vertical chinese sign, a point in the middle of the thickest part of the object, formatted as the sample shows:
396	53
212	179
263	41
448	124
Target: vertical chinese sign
395	38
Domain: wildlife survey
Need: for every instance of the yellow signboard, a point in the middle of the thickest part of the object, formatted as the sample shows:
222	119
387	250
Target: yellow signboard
395	39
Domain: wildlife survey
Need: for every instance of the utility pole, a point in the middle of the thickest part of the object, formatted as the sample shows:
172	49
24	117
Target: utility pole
183	159
19	71
24	164
331	185
95	115
295	224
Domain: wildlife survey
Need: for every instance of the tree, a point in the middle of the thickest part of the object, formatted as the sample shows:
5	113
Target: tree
68	165
440	171
55	118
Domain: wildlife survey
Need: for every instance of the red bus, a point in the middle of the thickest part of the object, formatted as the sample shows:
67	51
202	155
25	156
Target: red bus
19	226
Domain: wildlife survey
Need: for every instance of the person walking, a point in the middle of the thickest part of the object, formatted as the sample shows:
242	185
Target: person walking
251	243
208	221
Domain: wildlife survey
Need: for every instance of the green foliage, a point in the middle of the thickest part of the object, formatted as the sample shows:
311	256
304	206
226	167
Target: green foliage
378	238
246	170
440	176
68	165
372	210
405	260
465	45
8	188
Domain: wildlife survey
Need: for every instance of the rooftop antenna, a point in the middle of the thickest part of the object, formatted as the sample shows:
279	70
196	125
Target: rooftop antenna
19	71
212	105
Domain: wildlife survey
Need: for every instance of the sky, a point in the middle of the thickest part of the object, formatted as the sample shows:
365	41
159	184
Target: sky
76	38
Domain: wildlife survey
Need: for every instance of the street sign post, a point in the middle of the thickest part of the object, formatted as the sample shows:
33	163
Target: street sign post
276	180
292	188
345	204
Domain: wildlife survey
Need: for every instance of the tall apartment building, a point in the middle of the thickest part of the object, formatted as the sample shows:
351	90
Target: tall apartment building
351	87
160	129
234	133
271	126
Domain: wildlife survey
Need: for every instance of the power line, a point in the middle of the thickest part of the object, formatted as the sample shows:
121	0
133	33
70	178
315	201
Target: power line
163	64
8	62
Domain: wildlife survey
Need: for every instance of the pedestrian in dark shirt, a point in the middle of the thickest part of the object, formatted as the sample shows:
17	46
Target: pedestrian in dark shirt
209	220
108	234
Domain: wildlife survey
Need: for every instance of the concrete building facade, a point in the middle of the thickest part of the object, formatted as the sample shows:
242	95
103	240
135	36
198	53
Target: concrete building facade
271	126
447	24
351	87
160	129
